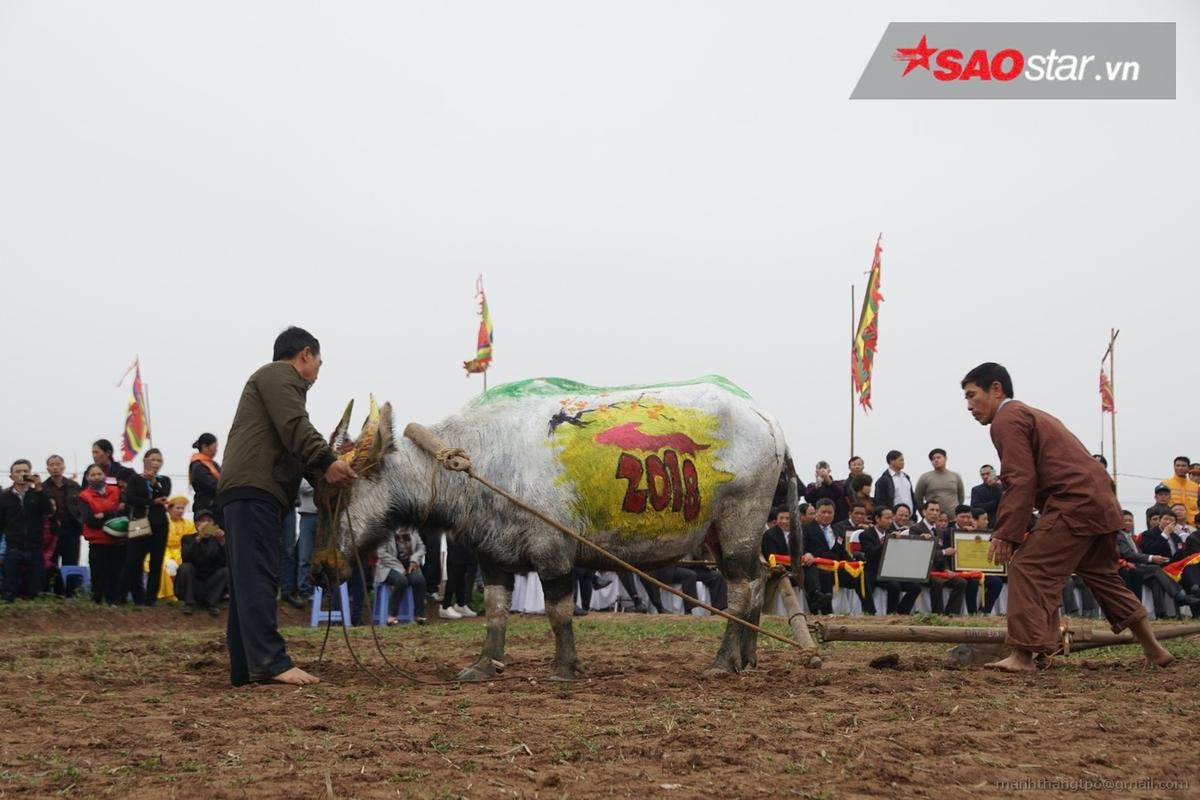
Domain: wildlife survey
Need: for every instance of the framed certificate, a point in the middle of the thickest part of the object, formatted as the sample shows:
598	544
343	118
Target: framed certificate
906	559
970	553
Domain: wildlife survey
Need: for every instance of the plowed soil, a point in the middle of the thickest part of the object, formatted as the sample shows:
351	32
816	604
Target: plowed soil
136	702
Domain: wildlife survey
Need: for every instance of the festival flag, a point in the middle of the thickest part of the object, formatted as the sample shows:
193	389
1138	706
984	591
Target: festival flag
137	421
483	342
1106	394
866	335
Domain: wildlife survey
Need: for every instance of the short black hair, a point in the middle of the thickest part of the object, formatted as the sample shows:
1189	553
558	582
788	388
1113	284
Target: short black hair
987	466
1099	457
878	512
1184	459
800	509
899	506
153	451
892	455
105	446
860	481
824	501
289	343
19	462
935	451
863	506
852	459
930	502
1125	512
976	511
986	374
775	512
1157	511
962	508
53	456
204	441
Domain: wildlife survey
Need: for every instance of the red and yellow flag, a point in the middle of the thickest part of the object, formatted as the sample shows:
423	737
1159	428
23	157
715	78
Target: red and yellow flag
483	341
1107	403
866	336
137	422
1175	569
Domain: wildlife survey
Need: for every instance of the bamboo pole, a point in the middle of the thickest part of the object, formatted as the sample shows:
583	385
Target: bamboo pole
1081	638
853	365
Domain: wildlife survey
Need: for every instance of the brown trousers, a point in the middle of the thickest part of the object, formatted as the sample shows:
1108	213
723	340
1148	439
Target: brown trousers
1040	568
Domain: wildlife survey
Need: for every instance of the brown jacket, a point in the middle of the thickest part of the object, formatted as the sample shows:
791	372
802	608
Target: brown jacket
1043	465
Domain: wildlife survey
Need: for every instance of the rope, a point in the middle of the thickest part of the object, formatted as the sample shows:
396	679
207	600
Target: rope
620	562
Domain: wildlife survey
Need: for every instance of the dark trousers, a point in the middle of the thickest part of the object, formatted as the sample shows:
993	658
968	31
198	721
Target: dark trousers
432	568
23	574
953	606
105	562
304	550
252	544
1070	607
399	581
188	587
820	580
136	551
718	592
460	575
897	604
67	549
992	586
288	566
584	578
684	576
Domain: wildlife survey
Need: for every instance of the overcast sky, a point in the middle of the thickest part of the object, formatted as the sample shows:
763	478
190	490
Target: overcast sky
652	191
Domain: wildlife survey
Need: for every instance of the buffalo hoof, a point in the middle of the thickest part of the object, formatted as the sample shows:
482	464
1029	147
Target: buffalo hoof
722	665
482	670
566	672
719	671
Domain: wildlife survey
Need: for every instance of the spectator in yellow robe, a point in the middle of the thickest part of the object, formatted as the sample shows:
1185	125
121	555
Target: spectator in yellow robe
177	528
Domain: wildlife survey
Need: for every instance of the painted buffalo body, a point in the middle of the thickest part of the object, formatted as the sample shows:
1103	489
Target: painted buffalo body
647	472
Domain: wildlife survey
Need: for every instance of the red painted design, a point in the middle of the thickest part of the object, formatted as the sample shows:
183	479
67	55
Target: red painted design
628	436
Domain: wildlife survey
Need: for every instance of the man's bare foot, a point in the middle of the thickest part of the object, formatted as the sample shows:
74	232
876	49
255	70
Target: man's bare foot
1160	659
295	677
1017	661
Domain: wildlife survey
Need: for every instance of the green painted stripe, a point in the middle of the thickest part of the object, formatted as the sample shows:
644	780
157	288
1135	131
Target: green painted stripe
554	387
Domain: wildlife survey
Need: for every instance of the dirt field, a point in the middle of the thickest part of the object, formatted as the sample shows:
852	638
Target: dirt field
135	702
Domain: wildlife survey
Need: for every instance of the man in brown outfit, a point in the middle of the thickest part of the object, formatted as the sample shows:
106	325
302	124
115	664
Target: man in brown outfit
1043	465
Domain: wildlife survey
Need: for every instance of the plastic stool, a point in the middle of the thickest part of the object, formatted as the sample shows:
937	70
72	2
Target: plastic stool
379	608
82	572
380	612
334	614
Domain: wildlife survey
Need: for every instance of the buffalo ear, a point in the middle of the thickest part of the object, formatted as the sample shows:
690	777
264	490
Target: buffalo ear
387	442
366	449
337	439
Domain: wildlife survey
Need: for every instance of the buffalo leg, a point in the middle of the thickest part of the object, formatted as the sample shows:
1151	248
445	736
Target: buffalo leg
497	600
735	647
560	607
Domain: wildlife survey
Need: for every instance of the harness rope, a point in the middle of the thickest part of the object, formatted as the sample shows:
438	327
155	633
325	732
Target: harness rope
456	459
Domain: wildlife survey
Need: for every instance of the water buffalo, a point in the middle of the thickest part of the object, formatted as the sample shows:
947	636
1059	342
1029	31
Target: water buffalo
645	471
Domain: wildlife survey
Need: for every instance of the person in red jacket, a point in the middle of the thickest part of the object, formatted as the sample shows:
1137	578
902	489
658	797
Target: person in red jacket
106	554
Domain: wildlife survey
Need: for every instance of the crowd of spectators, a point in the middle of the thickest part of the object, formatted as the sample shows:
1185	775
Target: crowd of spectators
843	527
142	548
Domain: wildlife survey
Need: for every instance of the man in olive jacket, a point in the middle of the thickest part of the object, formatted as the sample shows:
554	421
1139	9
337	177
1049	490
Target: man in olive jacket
270	447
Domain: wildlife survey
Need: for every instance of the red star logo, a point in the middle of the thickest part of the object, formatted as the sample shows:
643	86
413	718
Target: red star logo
915	56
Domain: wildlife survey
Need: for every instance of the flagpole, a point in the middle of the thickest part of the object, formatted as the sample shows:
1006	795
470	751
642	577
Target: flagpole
1112	387
1112	379
149	427
853	334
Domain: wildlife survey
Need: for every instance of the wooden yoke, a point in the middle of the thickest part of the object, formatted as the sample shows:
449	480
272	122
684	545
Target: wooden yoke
451	458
